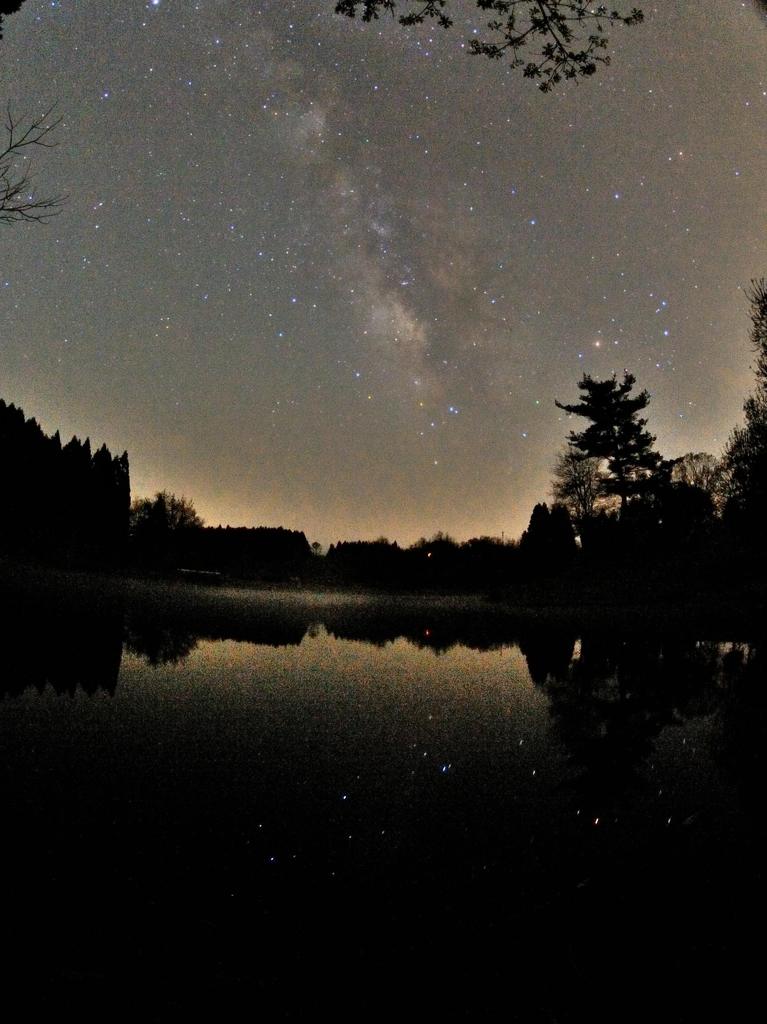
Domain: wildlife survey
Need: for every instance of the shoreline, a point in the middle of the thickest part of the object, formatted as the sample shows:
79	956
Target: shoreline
632	605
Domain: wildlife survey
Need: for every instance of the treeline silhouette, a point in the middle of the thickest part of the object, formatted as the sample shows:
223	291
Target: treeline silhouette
64	505
96	525
263	553
623	518
438	563
60	503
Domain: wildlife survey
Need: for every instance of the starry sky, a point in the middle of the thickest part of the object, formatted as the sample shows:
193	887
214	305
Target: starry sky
333	276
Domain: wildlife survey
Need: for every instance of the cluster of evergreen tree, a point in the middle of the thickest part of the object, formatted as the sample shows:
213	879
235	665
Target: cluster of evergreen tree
60	503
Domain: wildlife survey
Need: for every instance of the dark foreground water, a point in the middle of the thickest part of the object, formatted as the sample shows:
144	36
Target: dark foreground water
305	805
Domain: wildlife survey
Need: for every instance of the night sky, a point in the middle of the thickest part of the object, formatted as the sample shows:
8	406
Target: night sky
332	276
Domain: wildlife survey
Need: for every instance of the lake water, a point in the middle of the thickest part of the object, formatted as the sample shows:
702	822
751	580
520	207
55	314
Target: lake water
377	807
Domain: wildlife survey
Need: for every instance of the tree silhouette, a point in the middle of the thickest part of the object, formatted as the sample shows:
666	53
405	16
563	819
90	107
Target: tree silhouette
745	458
562	38
158	526
701	470
548	543
577	484
154	521
60	503
18	200
616	434
8	7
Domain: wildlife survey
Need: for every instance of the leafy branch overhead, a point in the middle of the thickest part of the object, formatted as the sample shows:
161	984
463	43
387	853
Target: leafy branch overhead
549	39
8	7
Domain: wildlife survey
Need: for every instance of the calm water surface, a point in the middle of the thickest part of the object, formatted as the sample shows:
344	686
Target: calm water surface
329	802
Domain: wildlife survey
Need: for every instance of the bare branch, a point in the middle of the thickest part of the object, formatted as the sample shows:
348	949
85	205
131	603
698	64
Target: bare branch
18	199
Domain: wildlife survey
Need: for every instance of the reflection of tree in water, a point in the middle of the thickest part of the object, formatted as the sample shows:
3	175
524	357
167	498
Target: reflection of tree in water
549	653
656	902
740	743
612	700
168	637
158	643
48	645
428	627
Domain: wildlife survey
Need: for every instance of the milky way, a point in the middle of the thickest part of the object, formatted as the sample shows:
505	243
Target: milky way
333	276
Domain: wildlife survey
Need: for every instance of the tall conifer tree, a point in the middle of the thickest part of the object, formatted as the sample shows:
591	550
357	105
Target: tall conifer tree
616	435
